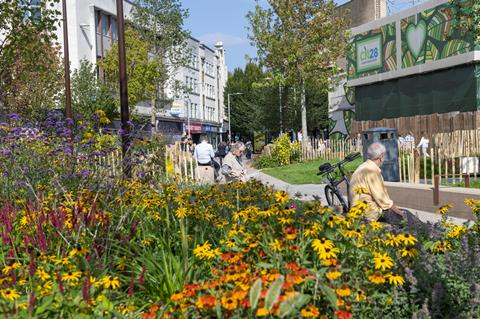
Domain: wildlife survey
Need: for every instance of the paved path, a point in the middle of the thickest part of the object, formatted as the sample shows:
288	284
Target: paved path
308	191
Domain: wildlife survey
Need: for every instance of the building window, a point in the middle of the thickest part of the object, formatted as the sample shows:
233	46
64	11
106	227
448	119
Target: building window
35	10
106	32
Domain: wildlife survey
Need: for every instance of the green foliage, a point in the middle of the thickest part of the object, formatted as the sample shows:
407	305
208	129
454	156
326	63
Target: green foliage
265	161
467	18
89	94
258	108
30	73
143	72
160	24
301	40
285	151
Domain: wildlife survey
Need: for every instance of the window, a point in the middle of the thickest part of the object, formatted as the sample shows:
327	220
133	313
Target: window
35	10
106	32
209	68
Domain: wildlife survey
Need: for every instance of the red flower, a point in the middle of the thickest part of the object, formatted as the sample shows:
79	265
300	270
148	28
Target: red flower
343	314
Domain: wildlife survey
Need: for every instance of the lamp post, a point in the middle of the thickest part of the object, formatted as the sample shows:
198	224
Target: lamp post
124	112
229	118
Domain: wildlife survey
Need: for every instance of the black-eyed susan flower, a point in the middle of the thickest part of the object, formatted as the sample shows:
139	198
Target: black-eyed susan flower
407	239
229	302
321	244
408	252
395	279
110	282
382	261
10	294
71	276
262	312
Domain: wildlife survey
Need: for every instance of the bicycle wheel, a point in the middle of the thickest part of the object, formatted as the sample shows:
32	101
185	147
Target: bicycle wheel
335	199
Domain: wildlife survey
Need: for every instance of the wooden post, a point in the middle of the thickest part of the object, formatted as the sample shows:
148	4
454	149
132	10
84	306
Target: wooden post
432	164
466	177
436	191
425	168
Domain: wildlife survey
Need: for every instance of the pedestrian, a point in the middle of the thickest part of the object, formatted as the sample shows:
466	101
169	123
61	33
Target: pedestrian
204	154
423	145
222	151
232	168
300	136
248	150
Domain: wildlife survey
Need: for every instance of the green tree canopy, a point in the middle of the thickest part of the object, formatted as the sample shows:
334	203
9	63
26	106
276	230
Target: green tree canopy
27	40
142	71
89	94
301	40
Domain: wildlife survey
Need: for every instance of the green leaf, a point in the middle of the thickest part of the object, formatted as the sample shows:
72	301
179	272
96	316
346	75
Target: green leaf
274	292
255	293
331	296
264	265
291	304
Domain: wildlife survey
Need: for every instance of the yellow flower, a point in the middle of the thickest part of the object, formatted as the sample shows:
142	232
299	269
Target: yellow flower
444	209
181	212
376	225
441	246
110	282
392	240
78	251
262	312
71	276
382	261
321	244
10	294
377	278
333	275
457	231
177	297
328	253
229	302
407	239
343	291
310	311
205	251
408	252
360	296
395	279
276	245
281	197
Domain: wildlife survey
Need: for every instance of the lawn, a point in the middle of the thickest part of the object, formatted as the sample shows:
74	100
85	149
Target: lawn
305	173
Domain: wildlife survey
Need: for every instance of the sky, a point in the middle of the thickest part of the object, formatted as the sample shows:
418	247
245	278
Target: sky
211	21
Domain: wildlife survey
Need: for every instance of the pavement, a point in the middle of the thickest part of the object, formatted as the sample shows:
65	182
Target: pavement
307	192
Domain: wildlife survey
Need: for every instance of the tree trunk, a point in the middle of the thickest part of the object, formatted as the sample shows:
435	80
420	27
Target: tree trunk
303	105
153	118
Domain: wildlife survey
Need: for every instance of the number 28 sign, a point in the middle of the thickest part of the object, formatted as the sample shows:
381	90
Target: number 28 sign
369	54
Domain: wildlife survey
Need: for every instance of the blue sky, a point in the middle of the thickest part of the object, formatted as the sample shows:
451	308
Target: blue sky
224	20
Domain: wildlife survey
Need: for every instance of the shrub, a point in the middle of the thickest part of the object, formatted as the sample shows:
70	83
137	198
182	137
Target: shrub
266	161
284	151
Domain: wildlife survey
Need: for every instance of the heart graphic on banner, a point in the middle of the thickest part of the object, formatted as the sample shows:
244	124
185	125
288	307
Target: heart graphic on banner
416	36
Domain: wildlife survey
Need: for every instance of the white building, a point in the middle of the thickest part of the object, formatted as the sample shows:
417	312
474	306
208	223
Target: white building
91	31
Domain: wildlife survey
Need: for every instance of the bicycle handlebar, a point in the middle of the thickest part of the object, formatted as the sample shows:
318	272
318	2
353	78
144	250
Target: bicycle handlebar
328	168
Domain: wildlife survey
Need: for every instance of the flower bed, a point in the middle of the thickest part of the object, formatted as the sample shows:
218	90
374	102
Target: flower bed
107	247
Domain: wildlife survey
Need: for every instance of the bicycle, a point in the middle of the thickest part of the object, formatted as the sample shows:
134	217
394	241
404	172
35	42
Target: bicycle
333	193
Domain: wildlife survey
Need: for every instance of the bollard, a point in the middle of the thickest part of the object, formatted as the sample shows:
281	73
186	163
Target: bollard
466	177
436	191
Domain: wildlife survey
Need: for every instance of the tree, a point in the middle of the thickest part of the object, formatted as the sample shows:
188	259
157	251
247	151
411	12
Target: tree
467	17
160	24
29	90
142	71
301	40
24	36
89	94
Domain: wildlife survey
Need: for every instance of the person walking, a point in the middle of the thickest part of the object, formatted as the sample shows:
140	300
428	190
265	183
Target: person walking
222	151
248	150
423	145
232	168
204	154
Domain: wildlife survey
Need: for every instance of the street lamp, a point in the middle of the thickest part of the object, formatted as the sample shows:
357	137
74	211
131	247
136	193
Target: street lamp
229	118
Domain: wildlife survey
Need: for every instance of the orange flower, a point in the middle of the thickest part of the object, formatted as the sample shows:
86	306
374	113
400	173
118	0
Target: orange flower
206	301
178	297
229	302
343	291
310	311
290	233
343	314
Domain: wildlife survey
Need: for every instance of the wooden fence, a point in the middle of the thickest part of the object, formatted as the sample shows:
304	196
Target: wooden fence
453	157
179	163
314	149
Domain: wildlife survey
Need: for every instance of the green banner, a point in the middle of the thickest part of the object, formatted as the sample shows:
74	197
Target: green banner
450	90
